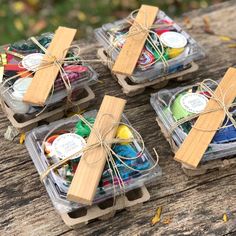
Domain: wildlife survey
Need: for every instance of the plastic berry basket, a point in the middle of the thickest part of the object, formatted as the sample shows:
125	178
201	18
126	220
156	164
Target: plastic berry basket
105	190
78	80
192	52
224	141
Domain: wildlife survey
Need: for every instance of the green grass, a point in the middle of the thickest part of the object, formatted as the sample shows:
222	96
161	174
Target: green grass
21	19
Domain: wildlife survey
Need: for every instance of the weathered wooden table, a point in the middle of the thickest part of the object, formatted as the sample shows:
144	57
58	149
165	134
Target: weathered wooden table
196	205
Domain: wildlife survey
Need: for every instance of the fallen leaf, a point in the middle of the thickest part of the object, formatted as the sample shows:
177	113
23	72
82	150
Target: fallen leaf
167	221
207	26
225	38
187	22
157	216
233	45
225	217
22	138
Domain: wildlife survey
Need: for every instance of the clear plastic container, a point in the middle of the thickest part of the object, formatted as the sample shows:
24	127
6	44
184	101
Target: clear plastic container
80	75
191	52
169	109
20	107
58	191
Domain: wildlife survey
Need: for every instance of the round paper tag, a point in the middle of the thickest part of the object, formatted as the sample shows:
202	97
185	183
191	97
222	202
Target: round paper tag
32	61
173	40
193	102
21	85
67	144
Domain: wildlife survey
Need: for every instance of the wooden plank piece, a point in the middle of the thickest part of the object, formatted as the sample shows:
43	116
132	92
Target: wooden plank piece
88	174
43	80
133	46
197	141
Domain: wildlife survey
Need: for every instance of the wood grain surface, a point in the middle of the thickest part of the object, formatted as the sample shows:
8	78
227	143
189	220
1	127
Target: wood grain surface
195	204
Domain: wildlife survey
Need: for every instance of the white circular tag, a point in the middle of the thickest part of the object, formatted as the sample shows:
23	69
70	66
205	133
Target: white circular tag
32	61
173	40
21	85
193	102
67	144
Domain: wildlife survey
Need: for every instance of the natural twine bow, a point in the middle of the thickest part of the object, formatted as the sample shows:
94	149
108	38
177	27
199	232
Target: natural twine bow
220	99
139	29
110	154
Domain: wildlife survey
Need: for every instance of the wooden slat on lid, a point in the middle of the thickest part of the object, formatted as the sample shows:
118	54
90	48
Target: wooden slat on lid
197	141
43	80
86	179
133	46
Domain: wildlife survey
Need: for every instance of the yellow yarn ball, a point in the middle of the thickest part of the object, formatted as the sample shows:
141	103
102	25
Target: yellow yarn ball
123	132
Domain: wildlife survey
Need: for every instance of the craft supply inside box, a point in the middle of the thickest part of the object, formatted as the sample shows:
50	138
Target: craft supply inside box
22	60
49	144
179	104
167	50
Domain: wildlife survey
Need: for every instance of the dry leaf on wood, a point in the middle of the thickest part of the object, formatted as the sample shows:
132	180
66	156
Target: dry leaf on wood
187	22
207	26
157	216
225	217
